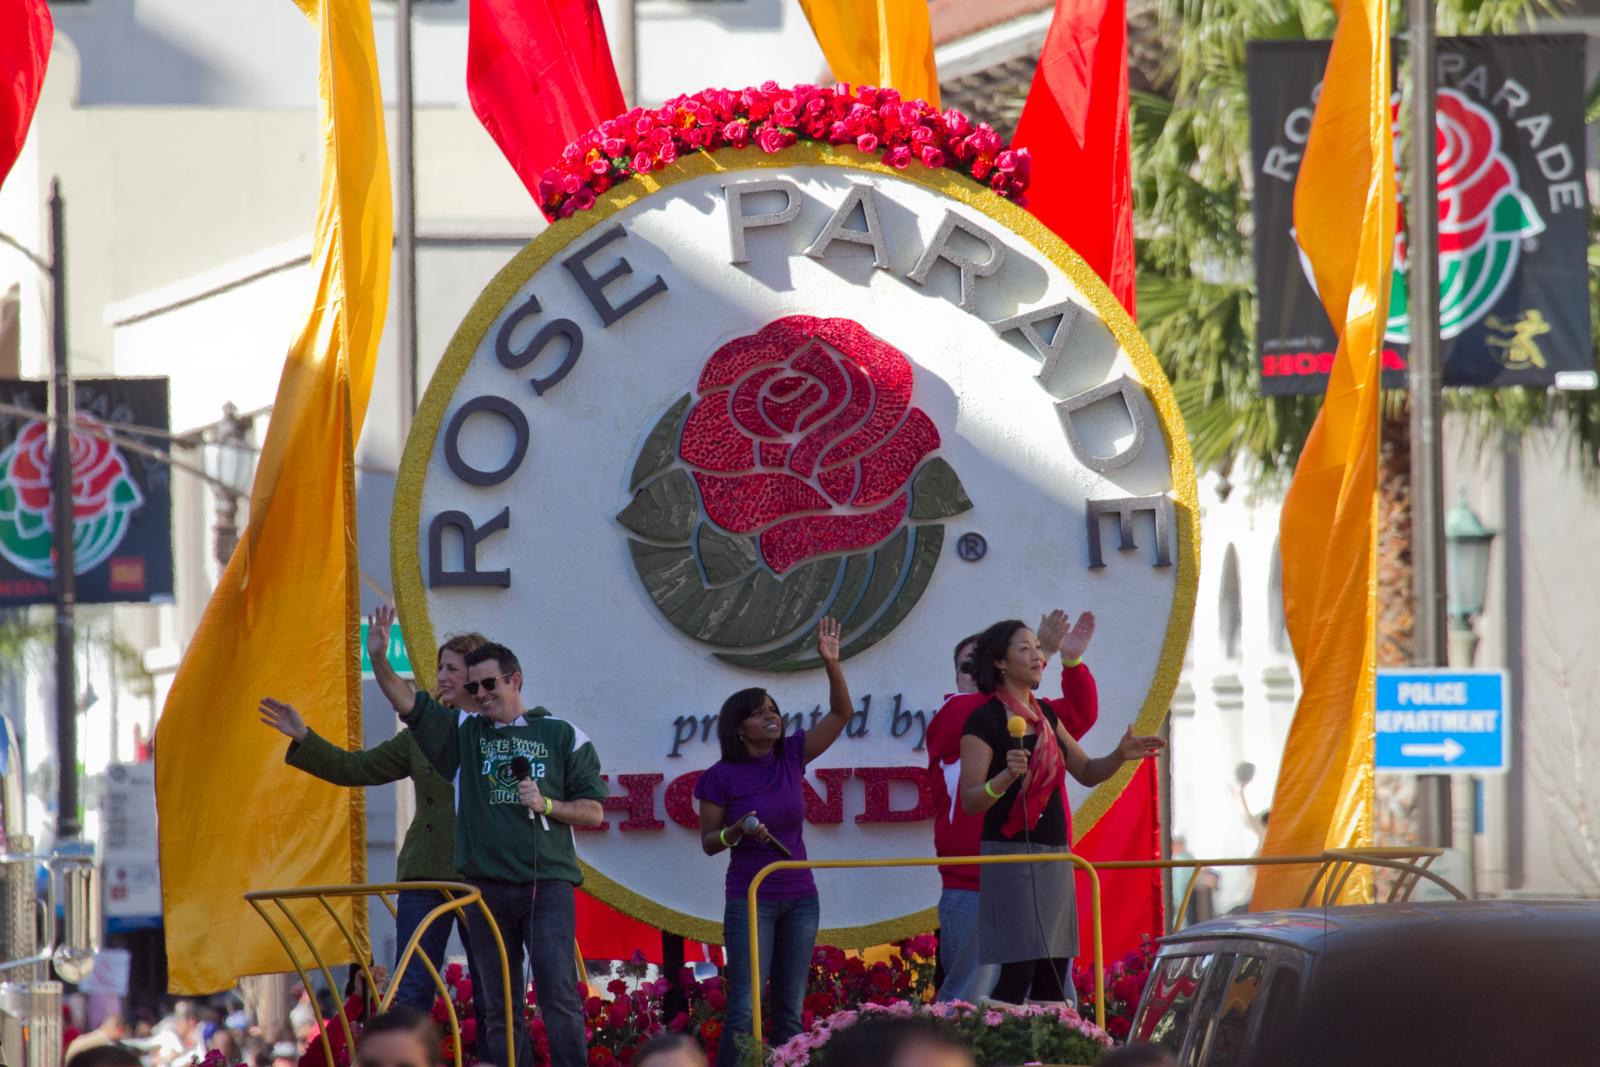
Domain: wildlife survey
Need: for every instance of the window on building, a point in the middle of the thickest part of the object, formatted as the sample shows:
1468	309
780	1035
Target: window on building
1230	619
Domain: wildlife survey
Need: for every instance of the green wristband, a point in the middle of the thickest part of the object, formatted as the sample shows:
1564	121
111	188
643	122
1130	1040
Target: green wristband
549	805
1068	664
992	794
722	835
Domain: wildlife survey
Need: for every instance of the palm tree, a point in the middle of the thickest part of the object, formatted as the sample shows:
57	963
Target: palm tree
1196	290
1192	175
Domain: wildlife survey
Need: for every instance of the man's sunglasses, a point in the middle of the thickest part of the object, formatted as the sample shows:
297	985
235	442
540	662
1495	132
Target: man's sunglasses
487	683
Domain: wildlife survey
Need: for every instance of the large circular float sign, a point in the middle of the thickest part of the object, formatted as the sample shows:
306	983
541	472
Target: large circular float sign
747	391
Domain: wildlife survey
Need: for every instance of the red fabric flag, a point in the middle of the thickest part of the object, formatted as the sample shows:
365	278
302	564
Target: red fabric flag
1075	125
604	933
1132	904
25	35
539	74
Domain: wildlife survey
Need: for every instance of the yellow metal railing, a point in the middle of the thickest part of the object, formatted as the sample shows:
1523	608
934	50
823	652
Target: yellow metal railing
457	898
1334	865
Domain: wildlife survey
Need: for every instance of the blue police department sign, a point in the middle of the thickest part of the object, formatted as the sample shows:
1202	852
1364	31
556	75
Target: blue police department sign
1441	721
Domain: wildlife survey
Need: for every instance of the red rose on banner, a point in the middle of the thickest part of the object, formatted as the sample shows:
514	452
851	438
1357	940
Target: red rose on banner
1473	173
96	467
104	494
30	467
804	434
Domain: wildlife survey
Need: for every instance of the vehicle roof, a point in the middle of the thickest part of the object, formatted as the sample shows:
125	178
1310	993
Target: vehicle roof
1320	930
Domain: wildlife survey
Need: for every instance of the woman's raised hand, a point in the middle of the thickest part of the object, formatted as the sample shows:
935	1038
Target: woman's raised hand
828	640
282	718
379	623
1133	747
1076	643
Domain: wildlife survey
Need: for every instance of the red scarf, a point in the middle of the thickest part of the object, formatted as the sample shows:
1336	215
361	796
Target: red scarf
1046	769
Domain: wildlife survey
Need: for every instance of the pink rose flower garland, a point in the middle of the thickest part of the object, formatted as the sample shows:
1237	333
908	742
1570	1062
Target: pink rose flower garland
772	118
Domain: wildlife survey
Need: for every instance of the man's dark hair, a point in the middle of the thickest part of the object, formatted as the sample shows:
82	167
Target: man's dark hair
503	657
735	710
403	1020
876	1042
964	664
662	1044
993	644
112	1055
1137	1055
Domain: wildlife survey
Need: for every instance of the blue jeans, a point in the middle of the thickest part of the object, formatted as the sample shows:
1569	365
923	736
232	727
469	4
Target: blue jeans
965	978
417	990
542	922
788	931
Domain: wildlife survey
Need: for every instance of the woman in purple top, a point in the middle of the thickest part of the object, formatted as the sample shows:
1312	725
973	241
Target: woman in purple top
761	773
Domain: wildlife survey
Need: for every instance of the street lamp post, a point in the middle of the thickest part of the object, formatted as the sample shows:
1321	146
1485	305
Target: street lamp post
227	460
1467	543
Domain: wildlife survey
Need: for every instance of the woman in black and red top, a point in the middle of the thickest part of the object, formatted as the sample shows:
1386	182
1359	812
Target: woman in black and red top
1027	916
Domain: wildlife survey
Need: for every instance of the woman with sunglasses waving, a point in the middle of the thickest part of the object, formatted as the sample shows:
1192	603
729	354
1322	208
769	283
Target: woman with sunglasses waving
752	803
428	854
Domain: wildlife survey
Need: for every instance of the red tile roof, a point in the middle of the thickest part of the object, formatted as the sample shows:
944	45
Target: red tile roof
955	19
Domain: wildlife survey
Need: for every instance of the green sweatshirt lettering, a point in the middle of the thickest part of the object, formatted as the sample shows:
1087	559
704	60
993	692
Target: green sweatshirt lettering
495	838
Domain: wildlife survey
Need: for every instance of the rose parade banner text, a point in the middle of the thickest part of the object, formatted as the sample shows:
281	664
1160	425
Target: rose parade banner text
1513	217
122	499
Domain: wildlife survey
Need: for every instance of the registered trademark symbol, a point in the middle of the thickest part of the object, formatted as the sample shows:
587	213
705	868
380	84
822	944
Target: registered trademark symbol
972	547
1530	244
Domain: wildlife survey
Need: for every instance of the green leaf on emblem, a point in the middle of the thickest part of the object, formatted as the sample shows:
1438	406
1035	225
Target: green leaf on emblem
660	448
724	558
663	510
1515	215
125	493
936	492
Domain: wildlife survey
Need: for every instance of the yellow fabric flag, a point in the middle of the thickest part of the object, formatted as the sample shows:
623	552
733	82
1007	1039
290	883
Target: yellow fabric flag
282	621
1344	212
878	42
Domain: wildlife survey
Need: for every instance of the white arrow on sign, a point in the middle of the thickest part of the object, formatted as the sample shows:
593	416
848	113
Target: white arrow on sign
1449	749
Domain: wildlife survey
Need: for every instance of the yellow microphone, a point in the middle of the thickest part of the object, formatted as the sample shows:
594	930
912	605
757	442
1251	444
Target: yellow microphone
1017	727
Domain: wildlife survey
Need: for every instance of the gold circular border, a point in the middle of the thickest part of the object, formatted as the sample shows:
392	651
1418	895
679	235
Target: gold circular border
406	517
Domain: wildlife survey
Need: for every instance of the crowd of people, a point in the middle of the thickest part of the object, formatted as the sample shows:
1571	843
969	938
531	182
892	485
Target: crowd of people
517	779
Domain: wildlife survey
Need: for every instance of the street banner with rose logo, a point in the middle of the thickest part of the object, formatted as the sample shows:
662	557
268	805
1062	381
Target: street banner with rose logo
121	498
1513	217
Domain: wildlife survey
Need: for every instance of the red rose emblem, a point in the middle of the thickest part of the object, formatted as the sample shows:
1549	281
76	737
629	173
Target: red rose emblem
30	468
1473	172
96	467
804	434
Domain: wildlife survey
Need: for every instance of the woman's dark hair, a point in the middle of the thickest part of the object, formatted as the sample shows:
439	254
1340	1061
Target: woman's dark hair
876	1042
964	664
402	1020
735	710
662	1044
993	644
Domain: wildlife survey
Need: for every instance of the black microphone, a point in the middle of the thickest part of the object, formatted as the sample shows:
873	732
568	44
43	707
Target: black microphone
748	825
522	770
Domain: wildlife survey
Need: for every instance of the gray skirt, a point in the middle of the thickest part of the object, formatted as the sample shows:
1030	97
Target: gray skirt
1026	911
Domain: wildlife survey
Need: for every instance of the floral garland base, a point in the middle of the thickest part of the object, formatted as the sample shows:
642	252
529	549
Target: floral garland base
772	118
1023	1034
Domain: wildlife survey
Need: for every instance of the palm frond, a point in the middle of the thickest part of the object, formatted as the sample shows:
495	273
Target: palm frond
1192	182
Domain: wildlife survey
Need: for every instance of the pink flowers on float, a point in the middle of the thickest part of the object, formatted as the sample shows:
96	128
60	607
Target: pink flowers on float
869	119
